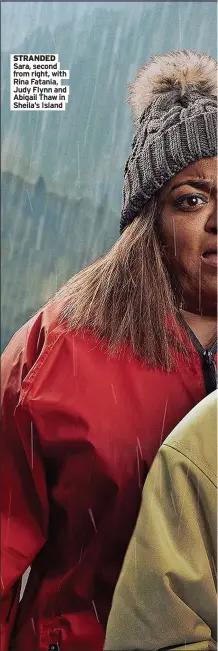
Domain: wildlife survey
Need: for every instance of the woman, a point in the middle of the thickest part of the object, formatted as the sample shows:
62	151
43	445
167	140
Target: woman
166	596
98	378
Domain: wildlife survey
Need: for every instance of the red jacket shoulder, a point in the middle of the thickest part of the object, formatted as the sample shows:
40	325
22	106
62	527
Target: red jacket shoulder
29	341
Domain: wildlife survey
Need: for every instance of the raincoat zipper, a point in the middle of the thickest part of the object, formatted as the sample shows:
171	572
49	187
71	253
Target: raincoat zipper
209	370
207	359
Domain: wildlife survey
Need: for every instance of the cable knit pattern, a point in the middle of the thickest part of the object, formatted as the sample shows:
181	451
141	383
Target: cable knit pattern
176	129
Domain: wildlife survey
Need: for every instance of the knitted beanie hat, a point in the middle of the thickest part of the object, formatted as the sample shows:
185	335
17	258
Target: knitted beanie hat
174	102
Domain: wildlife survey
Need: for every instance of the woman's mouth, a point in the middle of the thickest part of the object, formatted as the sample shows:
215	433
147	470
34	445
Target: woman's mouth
210	257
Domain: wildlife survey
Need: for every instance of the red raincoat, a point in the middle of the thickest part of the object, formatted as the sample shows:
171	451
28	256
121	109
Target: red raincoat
80	432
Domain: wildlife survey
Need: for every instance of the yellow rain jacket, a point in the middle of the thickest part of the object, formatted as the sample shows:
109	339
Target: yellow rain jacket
166	594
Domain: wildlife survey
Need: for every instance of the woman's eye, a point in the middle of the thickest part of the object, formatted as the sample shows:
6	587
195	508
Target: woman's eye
190	201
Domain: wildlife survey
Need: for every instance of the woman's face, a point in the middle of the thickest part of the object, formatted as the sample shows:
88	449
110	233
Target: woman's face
189	232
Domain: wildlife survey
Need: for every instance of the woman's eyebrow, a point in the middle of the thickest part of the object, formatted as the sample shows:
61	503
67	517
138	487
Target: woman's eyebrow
203	185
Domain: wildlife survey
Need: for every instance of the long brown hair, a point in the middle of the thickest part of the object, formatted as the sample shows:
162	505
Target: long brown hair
126	296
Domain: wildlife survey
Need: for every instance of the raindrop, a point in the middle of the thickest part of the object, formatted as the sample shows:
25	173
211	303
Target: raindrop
31	208
174	237
31	436
114	394
173	501
33	626
164	418
94	606
92	519
199	287
139	446
138	466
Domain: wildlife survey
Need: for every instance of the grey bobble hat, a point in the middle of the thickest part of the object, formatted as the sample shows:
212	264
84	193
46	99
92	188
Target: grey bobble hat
174	103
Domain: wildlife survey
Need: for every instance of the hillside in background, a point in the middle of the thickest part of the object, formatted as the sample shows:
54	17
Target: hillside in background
45	240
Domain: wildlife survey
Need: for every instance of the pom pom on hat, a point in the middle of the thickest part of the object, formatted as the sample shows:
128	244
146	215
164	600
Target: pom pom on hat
172	71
